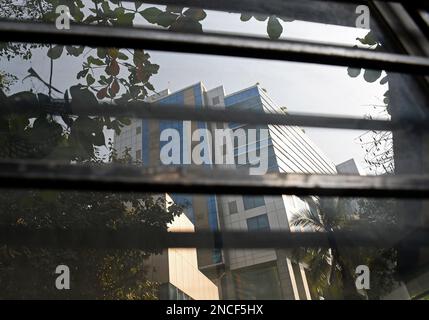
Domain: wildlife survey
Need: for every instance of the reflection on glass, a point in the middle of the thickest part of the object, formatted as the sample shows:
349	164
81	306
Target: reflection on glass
63	77
259	283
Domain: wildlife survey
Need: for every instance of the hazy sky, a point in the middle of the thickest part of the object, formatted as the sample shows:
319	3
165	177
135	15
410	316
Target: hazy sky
300	87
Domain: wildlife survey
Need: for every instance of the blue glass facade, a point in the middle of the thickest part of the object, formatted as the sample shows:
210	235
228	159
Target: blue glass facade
241	96
250	99
185	200
173	99
145	142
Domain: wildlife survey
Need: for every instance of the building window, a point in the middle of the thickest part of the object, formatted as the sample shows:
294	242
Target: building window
259	282
232	206
251	202
215	101
138	155
138	130
167	291
259	223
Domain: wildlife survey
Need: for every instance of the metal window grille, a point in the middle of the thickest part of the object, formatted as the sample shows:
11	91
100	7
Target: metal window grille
48	174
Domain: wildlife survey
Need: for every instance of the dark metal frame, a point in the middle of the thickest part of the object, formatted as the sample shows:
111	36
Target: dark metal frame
214	44
153	238
131	178
211	114
23	174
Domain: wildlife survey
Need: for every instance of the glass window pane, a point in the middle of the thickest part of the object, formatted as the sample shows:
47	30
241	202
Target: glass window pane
251	202
259	223
233	207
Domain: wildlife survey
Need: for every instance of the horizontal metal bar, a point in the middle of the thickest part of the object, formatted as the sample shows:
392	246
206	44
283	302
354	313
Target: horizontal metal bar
199	180
211	114
213	43
156	239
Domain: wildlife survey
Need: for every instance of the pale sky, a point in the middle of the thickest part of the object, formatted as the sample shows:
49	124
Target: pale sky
303	88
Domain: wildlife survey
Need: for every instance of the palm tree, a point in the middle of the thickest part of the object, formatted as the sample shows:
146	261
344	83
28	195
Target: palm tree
328	270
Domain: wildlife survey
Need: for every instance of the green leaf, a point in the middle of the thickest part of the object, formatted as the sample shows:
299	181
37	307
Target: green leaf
260	17
245	17
195	14
75	51
186	24
386	97
119	11
353	72
174	9
113	52
91	19
274	28
138	4
76	14
81	96
126	121
151	14
106	7
384	80
122	56
134	91
368	40
165	19
386	100
55	52
82	73
126	19
101	53
371	75
140	57
103	80
97	62
152	68
150	86
90	79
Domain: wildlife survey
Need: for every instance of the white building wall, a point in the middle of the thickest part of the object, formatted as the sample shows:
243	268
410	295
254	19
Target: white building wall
295	153
129	138
216	97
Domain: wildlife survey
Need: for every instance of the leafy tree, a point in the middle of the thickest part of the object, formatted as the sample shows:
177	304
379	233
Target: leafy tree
378	145
95	274
331	270
327	266
381	261
108	75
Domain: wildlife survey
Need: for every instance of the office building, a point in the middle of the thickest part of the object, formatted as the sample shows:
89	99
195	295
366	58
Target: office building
176	269
239	274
